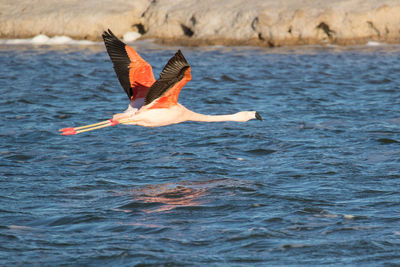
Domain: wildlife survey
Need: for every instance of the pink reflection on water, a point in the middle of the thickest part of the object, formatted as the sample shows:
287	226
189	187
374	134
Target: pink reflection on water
173	195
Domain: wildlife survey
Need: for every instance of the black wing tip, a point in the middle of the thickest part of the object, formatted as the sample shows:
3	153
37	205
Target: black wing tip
107	34
117	52
174	67
179	56
172	73
109	37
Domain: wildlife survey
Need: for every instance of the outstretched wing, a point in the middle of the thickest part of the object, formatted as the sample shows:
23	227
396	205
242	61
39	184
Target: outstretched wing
165	91
134	73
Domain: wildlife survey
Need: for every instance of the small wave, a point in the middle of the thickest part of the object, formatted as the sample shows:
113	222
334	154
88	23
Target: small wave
387	141
225	77
45	40
20	227
293	246
261	151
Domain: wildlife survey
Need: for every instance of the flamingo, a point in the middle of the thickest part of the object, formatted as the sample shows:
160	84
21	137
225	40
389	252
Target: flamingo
153	102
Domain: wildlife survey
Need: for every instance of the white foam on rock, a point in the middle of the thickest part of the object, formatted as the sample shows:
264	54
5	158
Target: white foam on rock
131	36
45	40
373	43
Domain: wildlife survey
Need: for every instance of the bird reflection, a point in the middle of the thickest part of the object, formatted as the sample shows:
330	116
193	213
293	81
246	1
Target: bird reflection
172	195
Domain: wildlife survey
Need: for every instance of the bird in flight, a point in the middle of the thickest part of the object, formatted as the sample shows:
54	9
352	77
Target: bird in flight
153	102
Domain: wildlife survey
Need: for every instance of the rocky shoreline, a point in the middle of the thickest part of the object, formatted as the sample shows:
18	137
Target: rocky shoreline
194	23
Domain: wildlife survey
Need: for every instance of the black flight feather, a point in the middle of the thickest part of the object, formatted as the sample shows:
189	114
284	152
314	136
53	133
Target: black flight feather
119	57
172	73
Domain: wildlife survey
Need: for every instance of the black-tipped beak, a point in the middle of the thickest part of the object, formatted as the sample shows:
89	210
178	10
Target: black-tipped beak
258	117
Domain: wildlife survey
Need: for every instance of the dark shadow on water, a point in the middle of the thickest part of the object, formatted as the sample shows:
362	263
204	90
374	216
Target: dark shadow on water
386	141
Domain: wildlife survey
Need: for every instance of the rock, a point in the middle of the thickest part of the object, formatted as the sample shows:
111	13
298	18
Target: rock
76	19
208	22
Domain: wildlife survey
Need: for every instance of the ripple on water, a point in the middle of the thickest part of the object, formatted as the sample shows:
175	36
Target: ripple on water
260	151
386	141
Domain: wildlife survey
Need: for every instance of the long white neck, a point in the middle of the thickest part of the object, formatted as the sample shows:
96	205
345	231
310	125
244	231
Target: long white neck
240	116
210	118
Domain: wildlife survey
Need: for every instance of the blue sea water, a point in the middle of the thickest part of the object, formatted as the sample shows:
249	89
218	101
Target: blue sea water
316	183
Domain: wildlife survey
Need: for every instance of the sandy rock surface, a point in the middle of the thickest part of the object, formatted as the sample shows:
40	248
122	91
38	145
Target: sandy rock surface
74	18
207	22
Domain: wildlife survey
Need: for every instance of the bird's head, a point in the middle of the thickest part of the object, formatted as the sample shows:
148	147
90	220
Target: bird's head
248	115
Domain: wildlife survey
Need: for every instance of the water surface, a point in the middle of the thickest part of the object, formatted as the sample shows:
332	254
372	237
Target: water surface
315	183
